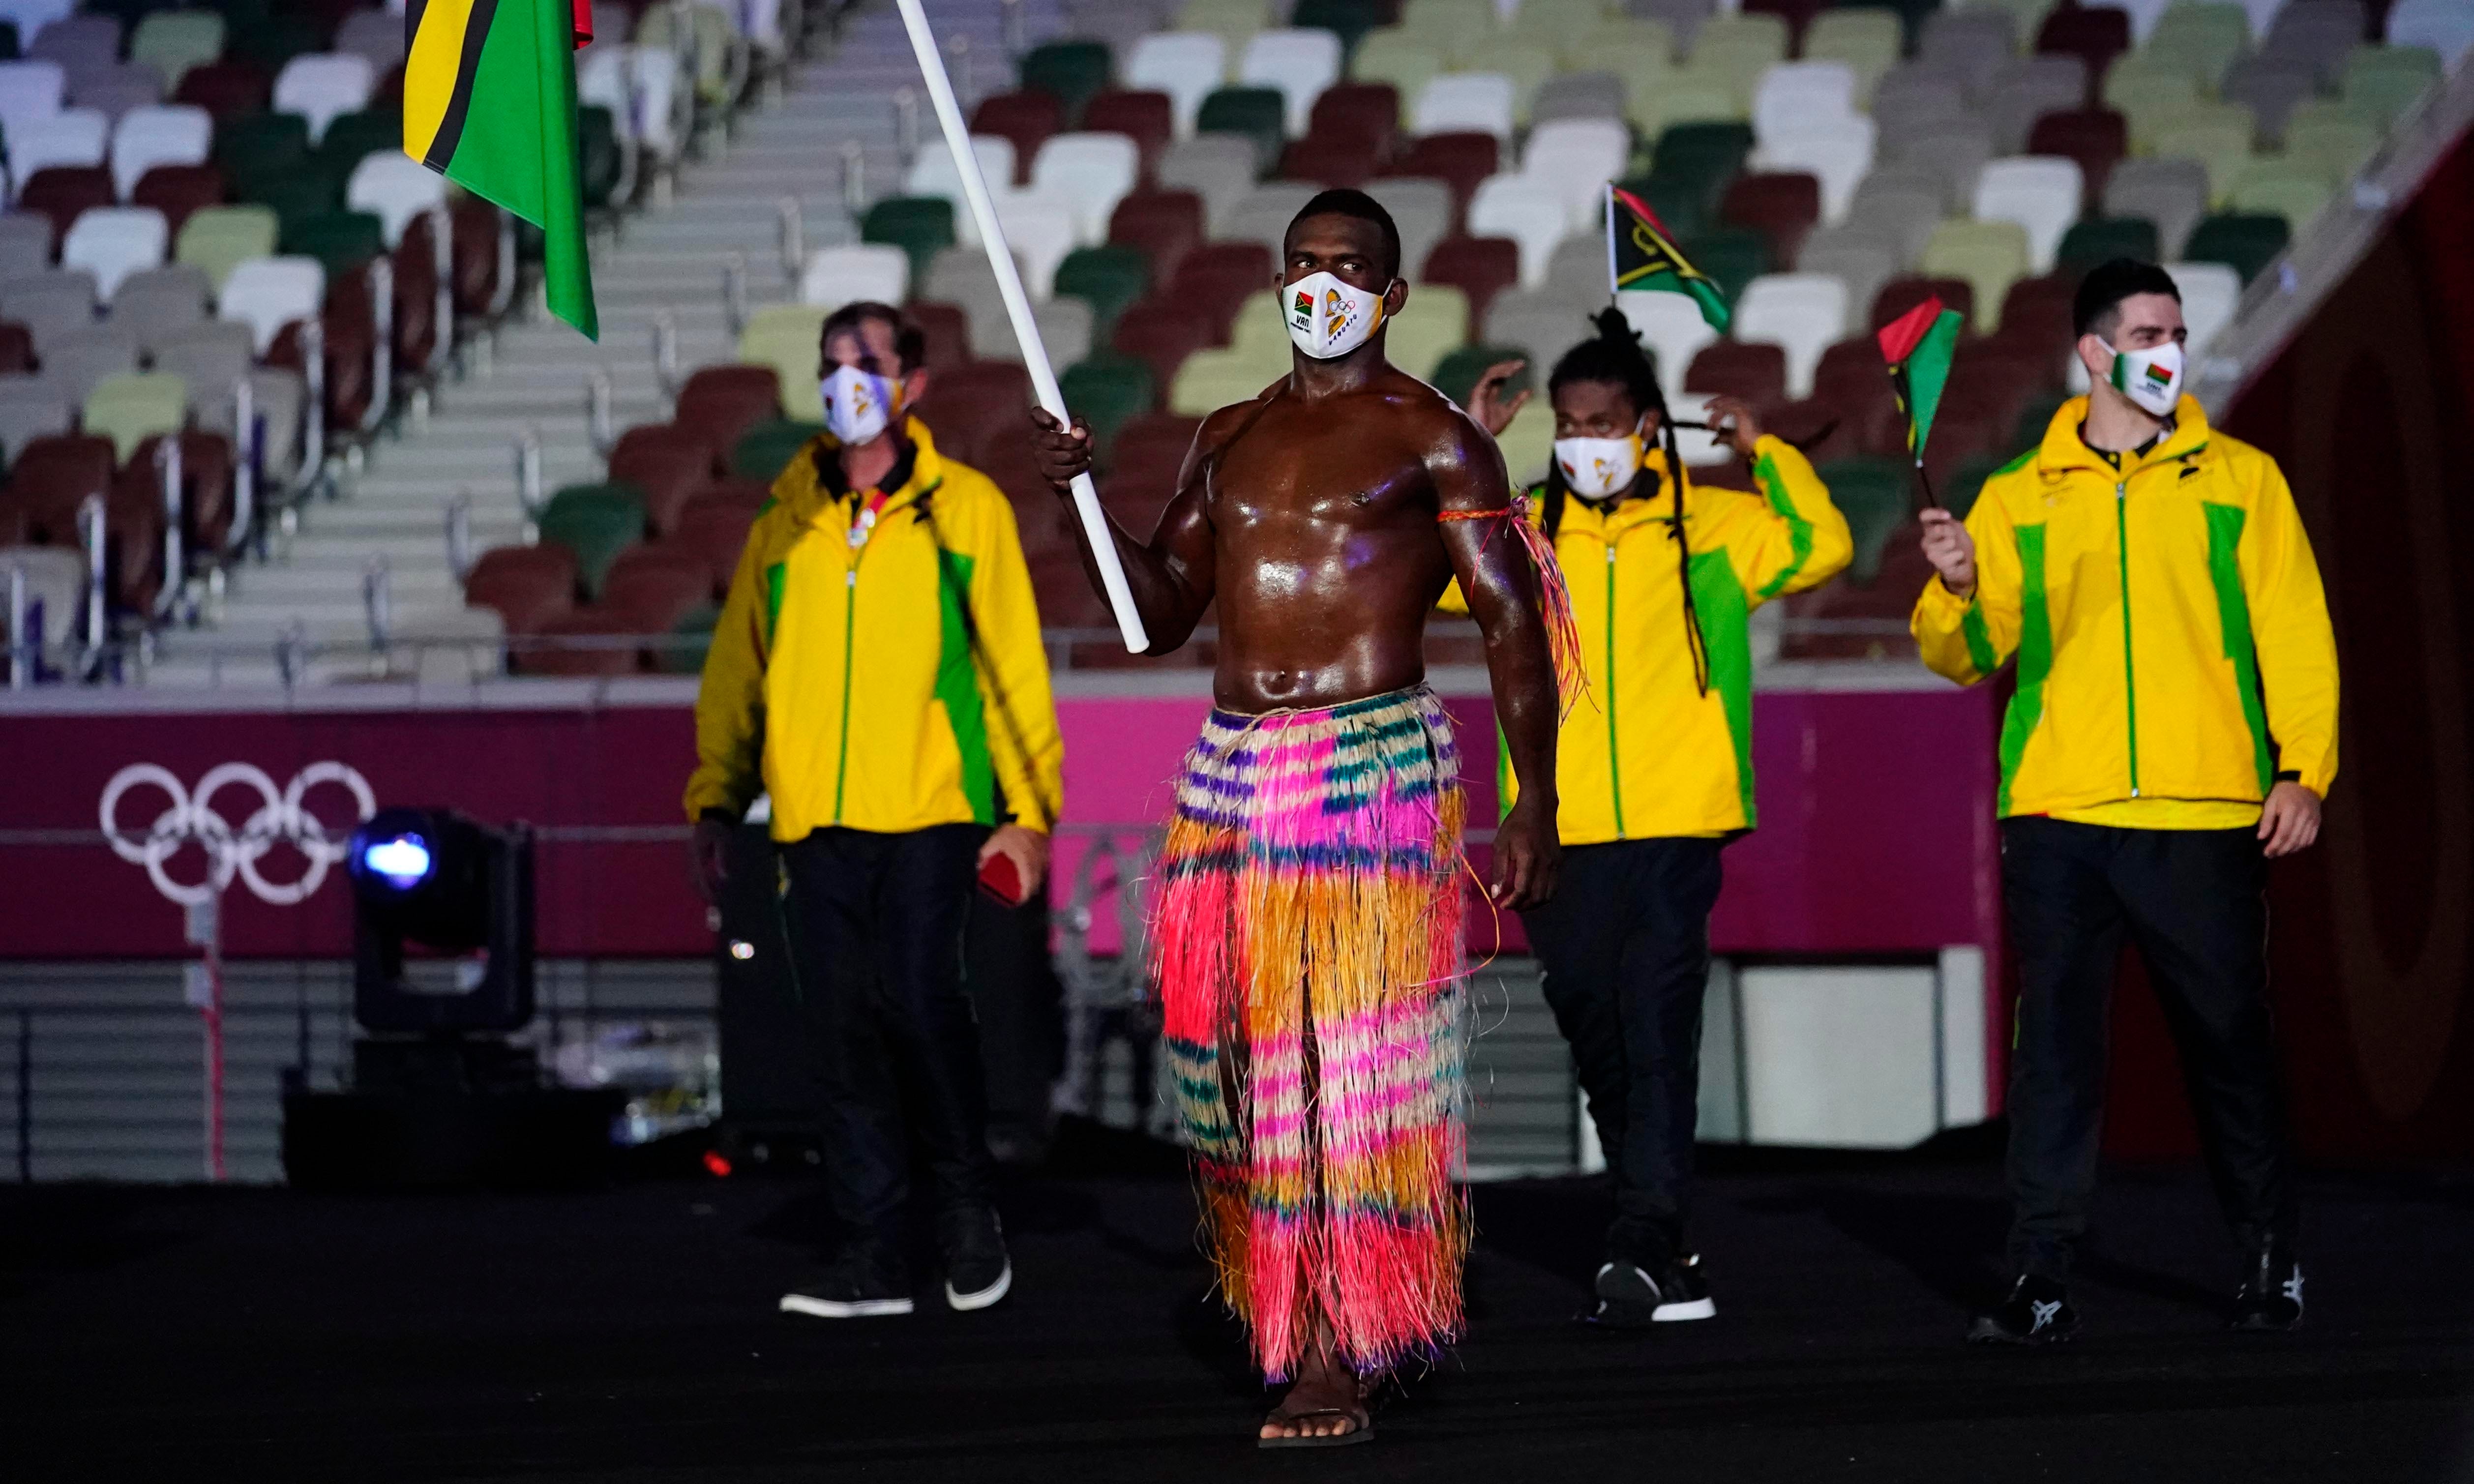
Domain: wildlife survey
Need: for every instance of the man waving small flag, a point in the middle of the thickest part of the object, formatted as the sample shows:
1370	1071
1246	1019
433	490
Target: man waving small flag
1918	346
489	102
1641	257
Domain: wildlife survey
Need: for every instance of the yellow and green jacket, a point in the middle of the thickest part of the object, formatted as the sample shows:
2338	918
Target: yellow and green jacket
843	680
1647	754
2173	648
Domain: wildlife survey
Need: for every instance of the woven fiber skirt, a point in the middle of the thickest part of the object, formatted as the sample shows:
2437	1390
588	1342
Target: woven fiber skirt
1307	933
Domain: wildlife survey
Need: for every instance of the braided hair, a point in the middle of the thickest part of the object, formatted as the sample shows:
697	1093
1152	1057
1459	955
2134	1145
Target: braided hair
1614	356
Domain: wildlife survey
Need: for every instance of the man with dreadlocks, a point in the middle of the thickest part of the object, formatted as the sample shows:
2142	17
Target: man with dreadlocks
1306	915
1655	772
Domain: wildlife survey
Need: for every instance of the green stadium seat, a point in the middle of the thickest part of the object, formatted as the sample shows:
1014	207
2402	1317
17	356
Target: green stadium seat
1456	374
342	240
1733	256
596	146
1348	19
2034	418
1705	148
1072	72
257	146
2103	239
353	137
695	626
597	522
1872	494
1106	391
302	192
1959	491
765	450
1259	114
921	226
2243	242
1108	278
270	42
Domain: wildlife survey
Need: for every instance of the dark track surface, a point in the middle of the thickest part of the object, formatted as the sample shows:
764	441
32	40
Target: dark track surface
628	1335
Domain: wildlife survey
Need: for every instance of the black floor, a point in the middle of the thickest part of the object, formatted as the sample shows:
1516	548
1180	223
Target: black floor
628	1335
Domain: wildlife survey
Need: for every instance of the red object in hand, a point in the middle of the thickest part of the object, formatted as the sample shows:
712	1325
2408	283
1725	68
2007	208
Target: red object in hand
999	879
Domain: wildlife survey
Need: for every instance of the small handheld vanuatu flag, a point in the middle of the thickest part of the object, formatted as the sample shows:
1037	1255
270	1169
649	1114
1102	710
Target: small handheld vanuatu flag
489	102
1918	346
1641	257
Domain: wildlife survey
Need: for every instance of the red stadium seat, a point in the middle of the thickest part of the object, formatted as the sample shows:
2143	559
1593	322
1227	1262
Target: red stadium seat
177	191
1163	225
725	401
527	585
1730	367
667	461
1367	110
2098	138
715	531
2036	312
476	230
945	334
1027	118
1218	277
1818	427
1479	267
582	656
1852	379
1162	333
972	403
1781	206
1153	445
653	587
1148	118
16	349
206	461
1797	13
1461	159
50	476
61	192
2095	34
227	88
1334	161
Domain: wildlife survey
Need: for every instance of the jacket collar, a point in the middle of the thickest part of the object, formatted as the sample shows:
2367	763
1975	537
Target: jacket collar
2064	450
821	473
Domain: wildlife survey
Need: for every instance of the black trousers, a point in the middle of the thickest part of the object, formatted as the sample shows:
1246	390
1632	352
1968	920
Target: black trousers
1625	945
876	930
2194	903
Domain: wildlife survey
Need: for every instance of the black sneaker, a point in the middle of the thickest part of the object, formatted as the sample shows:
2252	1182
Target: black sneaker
2270	1299
856	1285
1630	1296
977	1272
2037	1312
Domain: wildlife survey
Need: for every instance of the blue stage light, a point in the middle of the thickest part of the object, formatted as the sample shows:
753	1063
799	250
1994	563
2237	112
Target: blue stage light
402	860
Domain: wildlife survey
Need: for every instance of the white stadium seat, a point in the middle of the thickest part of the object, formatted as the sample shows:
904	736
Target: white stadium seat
1092	170
2040	192
1839	152
28	92
2445	26
1700	449
1040	226
147	137
30	17
2211	292
374	34
1299	64
1578	157
113	242
836	275
79	43
72	136
1184	64
1479	102
321	84
932	173
1529	210
394	187
1794	95
1671	326
1805	313
267	293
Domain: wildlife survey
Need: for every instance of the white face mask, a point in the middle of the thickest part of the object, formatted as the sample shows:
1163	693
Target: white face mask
1598	468
2152	379
859	406
1327	318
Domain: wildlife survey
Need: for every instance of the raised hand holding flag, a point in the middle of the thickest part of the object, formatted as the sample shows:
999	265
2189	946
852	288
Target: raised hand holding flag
1917	346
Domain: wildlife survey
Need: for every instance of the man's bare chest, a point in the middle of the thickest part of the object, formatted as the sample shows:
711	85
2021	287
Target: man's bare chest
1294	471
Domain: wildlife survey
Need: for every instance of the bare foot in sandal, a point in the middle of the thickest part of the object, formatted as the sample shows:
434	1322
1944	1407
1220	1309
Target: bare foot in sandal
1327	1406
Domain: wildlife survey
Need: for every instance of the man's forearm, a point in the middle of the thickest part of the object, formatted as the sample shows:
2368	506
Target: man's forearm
1522	675
1161	596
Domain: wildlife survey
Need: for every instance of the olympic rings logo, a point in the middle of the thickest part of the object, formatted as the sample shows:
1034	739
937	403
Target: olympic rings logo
192	819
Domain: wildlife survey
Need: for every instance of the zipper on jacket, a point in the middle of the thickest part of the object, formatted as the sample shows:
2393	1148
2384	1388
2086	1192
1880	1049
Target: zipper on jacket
1614	754
2129	677
850	624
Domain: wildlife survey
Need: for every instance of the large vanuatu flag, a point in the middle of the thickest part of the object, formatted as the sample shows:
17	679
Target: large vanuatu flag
1642	256
489	101
1918	346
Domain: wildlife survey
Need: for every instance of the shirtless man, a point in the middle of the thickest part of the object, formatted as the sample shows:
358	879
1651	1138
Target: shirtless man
1306	916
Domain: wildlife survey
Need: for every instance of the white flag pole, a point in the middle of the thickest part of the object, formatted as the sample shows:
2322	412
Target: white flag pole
1034	355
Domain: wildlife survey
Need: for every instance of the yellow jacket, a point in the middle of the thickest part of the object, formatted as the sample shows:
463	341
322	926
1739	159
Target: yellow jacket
1647	754
2173	648
843	680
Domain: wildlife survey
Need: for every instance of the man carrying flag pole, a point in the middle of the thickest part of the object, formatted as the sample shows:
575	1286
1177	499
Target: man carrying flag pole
489	102
1918	346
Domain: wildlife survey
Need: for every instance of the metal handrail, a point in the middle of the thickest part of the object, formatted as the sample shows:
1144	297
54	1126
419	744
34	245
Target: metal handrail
176	552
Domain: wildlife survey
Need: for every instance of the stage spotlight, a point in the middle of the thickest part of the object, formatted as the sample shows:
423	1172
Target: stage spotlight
443	923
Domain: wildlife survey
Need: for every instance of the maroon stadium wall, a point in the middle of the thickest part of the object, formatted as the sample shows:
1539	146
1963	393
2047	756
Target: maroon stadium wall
2370	411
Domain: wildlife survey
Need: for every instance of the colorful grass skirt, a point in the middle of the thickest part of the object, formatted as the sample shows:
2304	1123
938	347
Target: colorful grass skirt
1306	935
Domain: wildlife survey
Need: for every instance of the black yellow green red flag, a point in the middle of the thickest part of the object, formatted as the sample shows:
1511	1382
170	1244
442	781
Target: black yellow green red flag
489	102
1641	257
1918	346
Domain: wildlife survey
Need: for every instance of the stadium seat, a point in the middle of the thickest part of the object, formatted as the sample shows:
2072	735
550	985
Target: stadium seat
1872	494
208	354
163	301
932	173
725	403
1148	118
1578	157
2101	238
2040	192
785	338
113	242
666	463
1257	115
1187	65
1162	337
1093	171
596	521
529	586
1456	102
1990	255
920	226
1909	100
353	137
51	476
216	239
173	41
2210	293
342	240
1861	264
394	188
1216	278
1265	212
1531	211
130	407
2444	26
2245	243
2292	189
377	37
1597	94
320	85
663	594
1804	314
225	89
2171	193
1299	63
1801	95
1421	206
1070	71
1106	390
1784	207
30	91
2094	35
148	137
1867	41
1967	44
1729	368
1902	294
63	193
30	407
267	293
2271	89
969	407
1456	376
1461	159
79	362
1220	169
2335	148
766	448
25	244
1024	120
1953	155
1370	111
72	137
1405	63
1108	277
1836	153
837	275
2025	88
1161	225
1479	267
